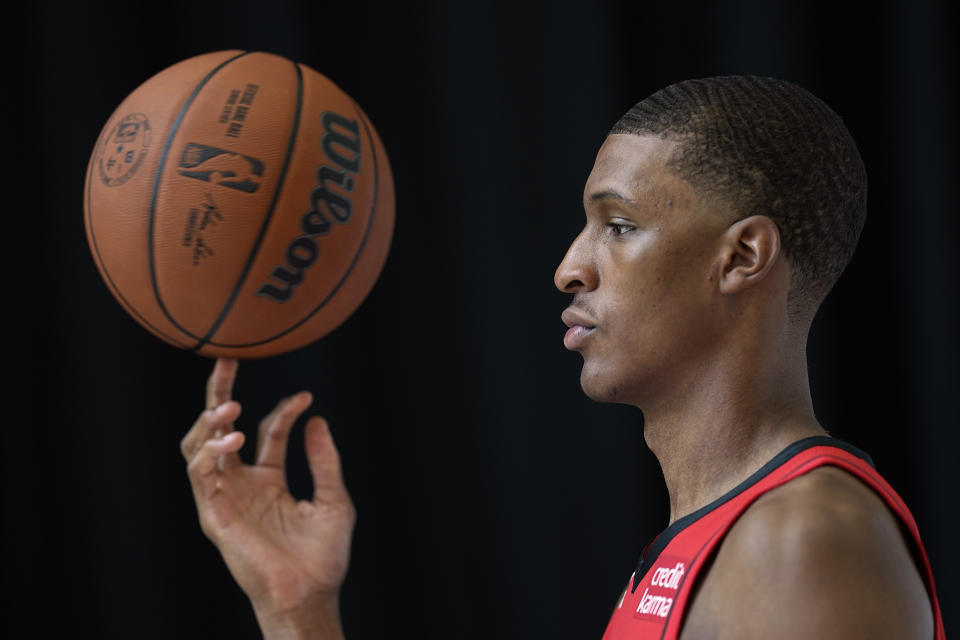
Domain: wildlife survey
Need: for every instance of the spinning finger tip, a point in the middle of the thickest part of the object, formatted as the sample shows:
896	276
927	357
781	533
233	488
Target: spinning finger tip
227	365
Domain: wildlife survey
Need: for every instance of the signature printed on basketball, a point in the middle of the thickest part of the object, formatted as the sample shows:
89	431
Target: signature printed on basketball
201	218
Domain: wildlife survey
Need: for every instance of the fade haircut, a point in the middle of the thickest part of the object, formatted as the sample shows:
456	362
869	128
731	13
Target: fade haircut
764	146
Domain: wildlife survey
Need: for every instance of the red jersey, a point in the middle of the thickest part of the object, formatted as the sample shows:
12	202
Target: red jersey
657	595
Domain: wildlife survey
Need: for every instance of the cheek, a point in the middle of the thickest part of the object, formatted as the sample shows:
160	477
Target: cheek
639	325
642	290
660	304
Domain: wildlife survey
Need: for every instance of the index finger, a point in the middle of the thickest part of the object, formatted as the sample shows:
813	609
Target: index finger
220	382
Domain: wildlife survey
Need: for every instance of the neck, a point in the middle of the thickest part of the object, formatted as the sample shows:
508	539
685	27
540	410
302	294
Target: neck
727	420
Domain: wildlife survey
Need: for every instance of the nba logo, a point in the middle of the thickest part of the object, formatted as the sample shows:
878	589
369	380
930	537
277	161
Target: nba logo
222	167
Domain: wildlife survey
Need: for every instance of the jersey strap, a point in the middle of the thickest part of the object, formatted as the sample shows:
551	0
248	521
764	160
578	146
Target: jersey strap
656	597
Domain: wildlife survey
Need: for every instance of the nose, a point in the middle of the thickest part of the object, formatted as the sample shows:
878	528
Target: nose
577	271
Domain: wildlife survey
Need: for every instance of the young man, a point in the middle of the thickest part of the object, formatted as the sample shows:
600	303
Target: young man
719	213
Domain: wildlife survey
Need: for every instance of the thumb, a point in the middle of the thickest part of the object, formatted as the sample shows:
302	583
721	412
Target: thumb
324	462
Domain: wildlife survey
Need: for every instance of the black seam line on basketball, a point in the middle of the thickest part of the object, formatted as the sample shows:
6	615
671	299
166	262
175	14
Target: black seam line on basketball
96	248
161	165
791	451
356	257
266	222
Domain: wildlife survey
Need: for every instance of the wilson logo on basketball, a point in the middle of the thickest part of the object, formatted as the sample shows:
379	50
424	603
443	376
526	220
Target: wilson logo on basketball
341	143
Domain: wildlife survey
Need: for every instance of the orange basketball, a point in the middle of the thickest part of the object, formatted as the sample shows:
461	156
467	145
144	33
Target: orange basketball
239	204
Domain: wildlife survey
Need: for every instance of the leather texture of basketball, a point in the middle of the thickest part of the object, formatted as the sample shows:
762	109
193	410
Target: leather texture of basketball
239	204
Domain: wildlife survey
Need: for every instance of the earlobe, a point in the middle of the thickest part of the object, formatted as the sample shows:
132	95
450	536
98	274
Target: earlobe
751	248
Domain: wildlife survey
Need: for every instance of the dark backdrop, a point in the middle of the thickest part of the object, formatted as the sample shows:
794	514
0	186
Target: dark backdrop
495	500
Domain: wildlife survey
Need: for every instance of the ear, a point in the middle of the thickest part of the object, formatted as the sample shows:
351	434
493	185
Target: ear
750	249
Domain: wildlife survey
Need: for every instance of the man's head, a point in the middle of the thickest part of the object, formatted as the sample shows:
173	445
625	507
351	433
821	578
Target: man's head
767	147
719	211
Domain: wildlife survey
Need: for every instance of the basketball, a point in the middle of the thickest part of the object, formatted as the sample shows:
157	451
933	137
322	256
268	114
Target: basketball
239	204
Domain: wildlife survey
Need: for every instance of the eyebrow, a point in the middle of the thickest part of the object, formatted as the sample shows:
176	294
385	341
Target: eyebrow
610	194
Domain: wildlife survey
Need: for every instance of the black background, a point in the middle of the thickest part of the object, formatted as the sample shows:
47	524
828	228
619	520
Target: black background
495	499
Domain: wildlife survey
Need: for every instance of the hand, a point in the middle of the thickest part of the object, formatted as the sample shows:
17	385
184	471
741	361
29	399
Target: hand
290	557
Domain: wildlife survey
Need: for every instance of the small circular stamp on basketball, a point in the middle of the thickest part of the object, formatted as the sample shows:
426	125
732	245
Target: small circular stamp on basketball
124	149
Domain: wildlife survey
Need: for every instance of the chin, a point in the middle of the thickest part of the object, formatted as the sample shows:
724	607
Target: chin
600	388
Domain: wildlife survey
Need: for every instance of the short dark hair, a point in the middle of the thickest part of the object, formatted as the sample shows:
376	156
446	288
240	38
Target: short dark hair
766	146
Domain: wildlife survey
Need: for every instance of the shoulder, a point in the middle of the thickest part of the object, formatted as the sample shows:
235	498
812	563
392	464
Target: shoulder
821	556
826	513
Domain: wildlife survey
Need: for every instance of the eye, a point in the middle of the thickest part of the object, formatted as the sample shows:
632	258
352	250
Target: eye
619	229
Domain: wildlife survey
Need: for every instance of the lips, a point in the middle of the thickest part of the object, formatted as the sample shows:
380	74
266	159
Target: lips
576	335
580	328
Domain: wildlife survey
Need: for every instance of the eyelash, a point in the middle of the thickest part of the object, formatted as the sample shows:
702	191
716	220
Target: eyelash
619	229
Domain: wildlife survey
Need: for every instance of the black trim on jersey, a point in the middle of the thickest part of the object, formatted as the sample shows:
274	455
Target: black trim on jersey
652	552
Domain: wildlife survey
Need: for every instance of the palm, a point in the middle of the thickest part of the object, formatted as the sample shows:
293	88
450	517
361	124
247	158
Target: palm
272	542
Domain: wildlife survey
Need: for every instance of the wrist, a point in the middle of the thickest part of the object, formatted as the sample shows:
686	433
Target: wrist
315	620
